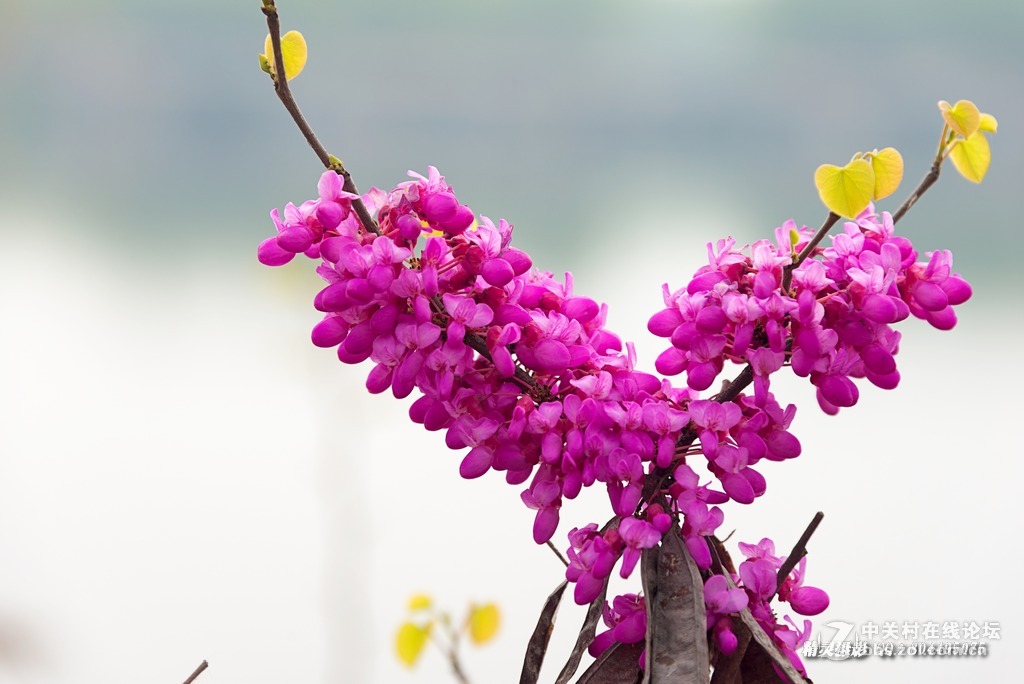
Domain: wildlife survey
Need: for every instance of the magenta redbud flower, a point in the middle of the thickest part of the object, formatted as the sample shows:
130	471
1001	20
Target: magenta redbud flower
545	498
724	636
632	627
498	341
626	618
330	332
335	203
271	254
808	600
805	600
638	535
764	549
295	234
444	211
465	313
657	516
769	264
665	322
440	206
720	599
699	522
759	578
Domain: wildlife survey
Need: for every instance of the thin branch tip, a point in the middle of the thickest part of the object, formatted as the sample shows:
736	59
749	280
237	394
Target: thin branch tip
798	552
554	550
284	94
198	671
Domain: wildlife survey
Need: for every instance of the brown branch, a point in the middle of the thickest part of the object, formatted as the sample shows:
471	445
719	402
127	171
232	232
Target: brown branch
798	552
284	93
926	182
453	660
558	553
450	651
198	671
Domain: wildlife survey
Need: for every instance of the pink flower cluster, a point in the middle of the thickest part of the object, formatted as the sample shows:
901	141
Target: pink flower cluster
522	373
833	324
758	585
753	587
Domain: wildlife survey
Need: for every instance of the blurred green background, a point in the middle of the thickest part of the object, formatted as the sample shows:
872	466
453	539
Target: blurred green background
183	477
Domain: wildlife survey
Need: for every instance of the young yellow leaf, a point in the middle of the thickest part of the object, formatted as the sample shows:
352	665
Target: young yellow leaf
847	191
409	642
988	123
264	64
963	117
971	157
293	52
794	237
420	602
888	167
483	623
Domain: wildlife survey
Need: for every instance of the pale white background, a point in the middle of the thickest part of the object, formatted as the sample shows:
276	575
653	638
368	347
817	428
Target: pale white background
183	476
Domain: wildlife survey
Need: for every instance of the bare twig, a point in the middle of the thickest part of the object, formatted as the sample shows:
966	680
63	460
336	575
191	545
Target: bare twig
558	553
798	552
926	182
284	93
453	660
198	671
451	654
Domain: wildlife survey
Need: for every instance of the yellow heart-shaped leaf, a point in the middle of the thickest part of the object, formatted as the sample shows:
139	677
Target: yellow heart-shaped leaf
409	642
971	157
483	622
963	117
988	123
293	52
888	167
846	191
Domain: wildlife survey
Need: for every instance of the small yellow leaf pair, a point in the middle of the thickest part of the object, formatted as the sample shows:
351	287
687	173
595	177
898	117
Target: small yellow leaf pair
848	190
970	153
293	52
481	624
